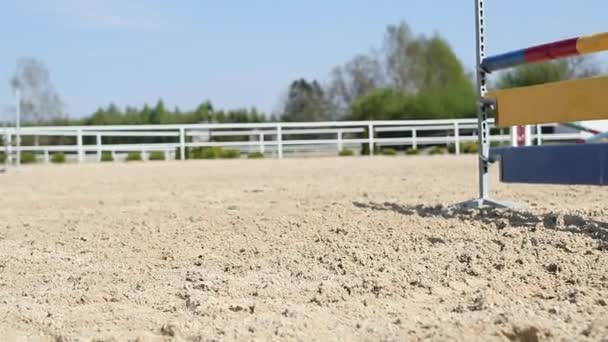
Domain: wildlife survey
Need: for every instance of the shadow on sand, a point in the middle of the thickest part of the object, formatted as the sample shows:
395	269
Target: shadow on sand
501	218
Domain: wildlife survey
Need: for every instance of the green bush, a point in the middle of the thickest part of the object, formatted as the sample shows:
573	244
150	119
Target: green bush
412	151
207	152
214	153
365	149
230	154
134	156
106	156
28	158
452	148
255	155
203	153
2	157
187	151
58	157
345	152
466	147
389	152
469	147
437	150
157	155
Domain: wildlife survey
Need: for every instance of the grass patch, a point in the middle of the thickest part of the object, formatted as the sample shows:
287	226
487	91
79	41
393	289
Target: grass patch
469	147
255	155
133	156
436	150
412	152
28	158
389	152
215	152
346	152
230	154
58	158
106	156
187	153
203	153
157	155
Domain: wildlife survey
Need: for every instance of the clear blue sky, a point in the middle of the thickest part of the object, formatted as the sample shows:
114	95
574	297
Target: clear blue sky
243	53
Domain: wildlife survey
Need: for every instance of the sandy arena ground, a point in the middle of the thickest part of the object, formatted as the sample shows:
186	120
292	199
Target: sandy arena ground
299	249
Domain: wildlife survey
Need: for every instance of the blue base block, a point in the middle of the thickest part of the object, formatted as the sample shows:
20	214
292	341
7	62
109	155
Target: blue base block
581	164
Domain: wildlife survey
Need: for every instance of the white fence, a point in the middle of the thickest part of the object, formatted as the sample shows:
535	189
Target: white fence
277	139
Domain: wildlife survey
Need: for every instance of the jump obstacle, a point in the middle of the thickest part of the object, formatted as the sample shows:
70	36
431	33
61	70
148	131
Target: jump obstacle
556	102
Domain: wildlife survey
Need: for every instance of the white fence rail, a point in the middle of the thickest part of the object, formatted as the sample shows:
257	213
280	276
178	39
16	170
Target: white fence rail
275	139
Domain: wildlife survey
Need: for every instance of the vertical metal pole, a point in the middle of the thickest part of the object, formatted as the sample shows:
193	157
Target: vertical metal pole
279	141
370	128
80	150
99	147
456	138
482	114
182	144
18	125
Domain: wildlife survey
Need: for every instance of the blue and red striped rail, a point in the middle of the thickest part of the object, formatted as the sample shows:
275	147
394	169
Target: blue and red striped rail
541	53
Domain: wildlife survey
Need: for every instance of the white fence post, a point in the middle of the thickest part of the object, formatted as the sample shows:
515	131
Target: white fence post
528	133
261	140
47	159
279	141
182	143
18	125
370	127
414	141
99	147
539	134
7	149
167	155
456	138
80	148
339	140
513	134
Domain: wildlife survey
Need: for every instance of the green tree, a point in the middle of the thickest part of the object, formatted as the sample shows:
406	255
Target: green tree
355	79
532	74
202	113
145	115
540	73
305	102
159	113
411	77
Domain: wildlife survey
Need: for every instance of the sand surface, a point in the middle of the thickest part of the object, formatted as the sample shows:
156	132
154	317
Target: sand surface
351	249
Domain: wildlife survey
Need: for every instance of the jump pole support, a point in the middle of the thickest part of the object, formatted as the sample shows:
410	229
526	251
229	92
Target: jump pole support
483	124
